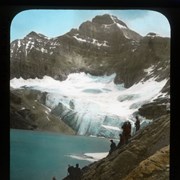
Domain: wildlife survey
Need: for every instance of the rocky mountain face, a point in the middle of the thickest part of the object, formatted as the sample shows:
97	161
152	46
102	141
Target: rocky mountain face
28	112
102	46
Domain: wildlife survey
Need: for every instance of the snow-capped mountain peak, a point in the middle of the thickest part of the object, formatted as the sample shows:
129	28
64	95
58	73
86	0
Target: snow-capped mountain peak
119	23
33	34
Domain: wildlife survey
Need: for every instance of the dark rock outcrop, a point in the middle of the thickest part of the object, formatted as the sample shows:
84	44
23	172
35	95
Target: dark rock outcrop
154	110
27	111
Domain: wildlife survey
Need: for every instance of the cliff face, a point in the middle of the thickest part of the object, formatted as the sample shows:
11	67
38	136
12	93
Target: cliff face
28	112
146	156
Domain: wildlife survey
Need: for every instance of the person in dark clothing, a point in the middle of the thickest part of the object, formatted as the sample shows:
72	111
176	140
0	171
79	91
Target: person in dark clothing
129	129
112	146
121	140
124	126
126	131
77	172
71	171
53	178
137	123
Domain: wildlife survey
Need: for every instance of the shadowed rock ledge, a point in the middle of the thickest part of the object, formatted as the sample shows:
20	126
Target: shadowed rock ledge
27	111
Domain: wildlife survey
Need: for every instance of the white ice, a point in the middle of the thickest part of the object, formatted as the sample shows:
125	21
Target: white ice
95	98
19	43
119	25
149	70
111	127
80	39
91	41
92	157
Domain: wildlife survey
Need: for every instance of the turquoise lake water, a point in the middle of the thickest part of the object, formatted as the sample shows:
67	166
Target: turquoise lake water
41	155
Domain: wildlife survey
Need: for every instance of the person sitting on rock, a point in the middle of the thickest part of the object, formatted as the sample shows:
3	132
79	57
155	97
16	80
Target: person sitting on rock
112	146
71	171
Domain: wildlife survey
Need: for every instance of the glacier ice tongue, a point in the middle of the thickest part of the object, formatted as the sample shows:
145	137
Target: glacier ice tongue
93	105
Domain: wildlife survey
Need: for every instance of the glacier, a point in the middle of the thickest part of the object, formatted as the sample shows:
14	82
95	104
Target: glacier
94	105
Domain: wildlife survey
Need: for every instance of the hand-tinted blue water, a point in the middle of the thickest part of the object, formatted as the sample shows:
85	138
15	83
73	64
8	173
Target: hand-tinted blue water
41	155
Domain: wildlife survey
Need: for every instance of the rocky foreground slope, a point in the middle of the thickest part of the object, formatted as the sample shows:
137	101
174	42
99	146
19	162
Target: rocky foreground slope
146	156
